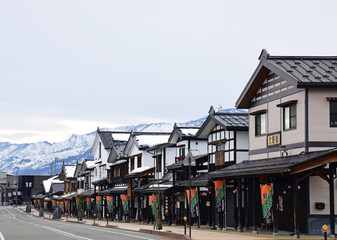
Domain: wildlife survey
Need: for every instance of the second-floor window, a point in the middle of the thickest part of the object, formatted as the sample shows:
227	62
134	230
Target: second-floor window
333	113
260	124
289	117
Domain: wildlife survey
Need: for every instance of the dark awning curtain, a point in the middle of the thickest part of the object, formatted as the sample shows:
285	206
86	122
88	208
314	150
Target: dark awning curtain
277	166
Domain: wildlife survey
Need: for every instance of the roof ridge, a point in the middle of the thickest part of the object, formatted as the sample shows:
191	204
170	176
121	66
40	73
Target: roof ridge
304	57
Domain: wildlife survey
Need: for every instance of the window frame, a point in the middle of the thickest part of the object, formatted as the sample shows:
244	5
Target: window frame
292	114
333	113
258	119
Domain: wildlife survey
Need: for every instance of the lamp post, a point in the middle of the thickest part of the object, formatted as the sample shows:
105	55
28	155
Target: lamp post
191	161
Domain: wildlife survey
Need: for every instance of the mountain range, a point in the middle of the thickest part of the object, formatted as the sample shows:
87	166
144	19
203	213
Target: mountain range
44	158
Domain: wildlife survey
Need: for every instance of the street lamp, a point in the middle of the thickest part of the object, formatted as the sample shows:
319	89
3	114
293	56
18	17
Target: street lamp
191	161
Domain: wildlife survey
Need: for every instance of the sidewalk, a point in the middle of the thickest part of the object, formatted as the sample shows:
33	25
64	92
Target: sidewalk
177	232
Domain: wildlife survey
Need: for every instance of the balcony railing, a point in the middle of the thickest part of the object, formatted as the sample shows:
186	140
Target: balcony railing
179	159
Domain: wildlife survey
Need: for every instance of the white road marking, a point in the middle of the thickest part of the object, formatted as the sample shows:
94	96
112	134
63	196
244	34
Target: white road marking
85	227
65	233
2	236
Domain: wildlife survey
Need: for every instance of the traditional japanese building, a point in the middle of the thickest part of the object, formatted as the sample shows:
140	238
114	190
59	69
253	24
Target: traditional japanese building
292	103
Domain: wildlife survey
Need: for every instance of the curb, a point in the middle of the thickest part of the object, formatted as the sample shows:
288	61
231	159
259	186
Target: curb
164	234
112	226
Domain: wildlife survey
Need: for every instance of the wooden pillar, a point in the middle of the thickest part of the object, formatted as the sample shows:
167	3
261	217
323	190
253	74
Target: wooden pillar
296	207
239	192
332	172
213	209
174	202
254	206
275	207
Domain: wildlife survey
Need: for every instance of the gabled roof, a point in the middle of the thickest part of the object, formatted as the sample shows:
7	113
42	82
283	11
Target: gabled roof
301	71
182	133
145	140
227	120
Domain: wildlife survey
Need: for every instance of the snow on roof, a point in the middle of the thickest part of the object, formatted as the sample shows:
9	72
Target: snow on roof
161	186
151	140
47	183
140	169
121	136
189	131
69	171
90	164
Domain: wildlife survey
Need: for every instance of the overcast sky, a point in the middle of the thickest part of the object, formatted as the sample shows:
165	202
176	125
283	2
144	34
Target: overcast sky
70	66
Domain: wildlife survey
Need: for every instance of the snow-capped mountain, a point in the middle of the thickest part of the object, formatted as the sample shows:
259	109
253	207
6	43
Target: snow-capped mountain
37	158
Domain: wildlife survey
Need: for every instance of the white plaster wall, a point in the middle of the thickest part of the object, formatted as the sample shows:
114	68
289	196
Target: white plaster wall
199	145
170	155
242	140
319	115
258	156
319	192
147	160
241	156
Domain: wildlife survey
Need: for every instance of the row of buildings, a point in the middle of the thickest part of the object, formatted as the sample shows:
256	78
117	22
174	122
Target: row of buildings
274	165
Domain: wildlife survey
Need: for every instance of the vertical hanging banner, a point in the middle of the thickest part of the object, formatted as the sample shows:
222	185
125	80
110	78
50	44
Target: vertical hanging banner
98	202
54	204
67	203
220	192
109	203
194	195
77	203
45	205
267	201
88	203
62	205
154	203
125	202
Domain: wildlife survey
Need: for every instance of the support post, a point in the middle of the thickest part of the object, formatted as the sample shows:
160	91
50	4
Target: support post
254	206
296	215
240	204
332	172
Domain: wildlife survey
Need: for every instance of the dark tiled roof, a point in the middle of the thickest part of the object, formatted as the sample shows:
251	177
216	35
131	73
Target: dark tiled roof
279	165
56	188
233	120
309	71
107	139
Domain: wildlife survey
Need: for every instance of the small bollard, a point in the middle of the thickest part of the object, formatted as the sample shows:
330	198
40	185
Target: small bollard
67	216
325	228
185	219
94	217
107	219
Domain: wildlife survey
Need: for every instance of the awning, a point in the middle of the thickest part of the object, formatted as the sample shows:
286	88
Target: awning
161	187
140	172
200	159
87	193
199	181
118	189
277	166
38	196
100	181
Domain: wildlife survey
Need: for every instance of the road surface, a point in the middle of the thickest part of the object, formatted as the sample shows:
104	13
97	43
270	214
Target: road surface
16	225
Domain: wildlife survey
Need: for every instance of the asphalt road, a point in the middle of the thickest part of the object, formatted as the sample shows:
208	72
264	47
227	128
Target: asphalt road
16	225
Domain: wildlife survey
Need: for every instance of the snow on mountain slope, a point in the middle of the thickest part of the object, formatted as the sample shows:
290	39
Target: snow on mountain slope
36	158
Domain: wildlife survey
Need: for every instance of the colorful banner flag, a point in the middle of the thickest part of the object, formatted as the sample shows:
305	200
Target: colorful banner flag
267	201
45	205
88	203
38	203
67	203
62	205
125	202
34	202
109	203
194	195
154	203
98	202
54	204
77	203
220	191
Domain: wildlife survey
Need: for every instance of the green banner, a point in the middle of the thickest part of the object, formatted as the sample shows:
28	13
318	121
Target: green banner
109	203
154	203
267	200
220	191
194	196
125	202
